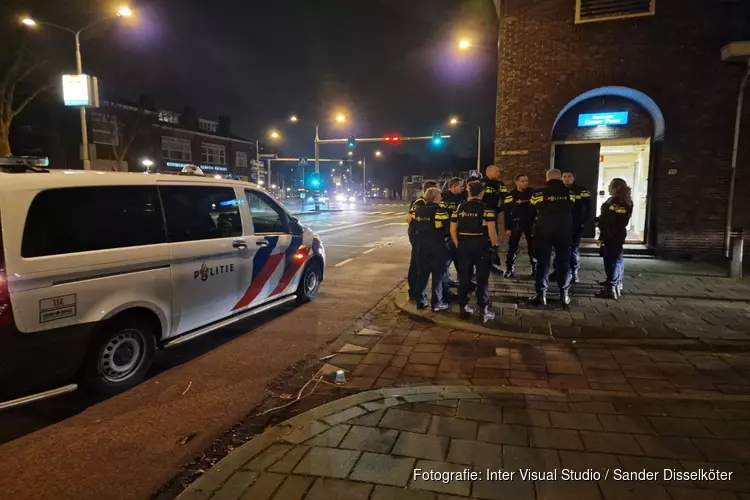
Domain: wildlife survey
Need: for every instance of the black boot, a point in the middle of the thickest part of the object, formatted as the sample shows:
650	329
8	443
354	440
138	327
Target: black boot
511	272
540	299
565	298
609	292
575	277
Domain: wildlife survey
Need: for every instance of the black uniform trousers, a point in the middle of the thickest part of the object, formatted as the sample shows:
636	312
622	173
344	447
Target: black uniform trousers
474	257
523	229
430	262
557	239
575	249
412	276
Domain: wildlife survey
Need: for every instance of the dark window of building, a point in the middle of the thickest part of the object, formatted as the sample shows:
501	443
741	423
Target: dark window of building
70	220
200	212
268	216
604	10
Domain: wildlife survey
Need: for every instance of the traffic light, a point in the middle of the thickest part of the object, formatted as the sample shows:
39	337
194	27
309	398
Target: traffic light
351	142
437	139
392	138
315	180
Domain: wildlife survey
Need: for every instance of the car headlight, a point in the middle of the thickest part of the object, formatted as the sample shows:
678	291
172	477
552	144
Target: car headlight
340	197
352	199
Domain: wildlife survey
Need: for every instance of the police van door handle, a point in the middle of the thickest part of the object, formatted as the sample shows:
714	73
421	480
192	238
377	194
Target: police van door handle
262	243
239	244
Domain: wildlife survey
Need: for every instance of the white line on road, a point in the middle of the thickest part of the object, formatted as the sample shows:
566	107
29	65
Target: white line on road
355	225
368	251
391	224
343	262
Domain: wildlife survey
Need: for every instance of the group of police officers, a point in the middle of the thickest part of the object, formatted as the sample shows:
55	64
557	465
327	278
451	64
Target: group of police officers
460	225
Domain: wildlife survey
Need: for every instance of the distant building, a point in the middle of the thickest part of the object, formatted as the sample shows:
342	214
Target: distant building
411	186
137	138
631	89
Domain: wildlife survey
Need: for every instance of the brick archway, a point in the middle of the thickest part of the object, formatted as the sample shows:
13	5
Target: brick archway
636	96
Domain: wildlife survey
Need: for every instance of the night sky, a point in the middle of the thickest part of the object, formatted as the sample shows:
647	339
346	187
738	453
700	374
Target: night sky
391	65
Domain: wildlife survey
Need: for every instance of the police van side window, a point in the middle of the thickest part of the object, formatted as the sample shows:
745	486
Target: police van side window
200	212
268	217
83	219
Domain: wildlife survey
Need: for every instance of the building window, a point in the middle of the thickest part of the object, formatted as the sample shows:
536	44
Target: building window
213	153
241	159
416	178
175	148
208	125
606	10
169	117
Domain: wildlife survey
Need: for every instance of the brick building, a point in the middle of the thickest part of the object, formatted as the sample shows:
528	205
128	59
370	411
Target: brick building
123	135
631	89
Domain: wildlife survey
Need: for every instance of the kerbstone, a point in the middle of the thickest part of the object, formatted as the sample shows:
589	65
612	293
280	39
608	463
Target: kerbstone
425	446
383	469
327	462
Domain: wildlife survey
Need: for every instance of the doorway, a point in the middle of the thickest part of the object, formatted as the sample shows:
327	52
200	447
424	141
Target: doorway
596	163
631	163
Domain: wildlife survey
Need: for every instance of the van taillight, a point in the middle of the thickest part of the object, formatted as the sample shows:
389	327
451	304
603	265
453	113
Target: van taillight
6	314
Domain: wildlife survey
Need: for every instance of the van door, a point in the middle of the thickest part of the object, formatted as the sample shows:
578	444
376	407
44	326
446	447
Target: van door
274	263
204	230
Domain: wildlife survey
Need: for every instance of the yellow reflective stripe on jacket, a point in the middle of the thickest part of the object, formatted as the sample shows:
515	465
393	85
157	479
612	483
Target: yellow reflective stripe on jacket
489	213
440	216
618	210
536	199
585	194
572	197
508	199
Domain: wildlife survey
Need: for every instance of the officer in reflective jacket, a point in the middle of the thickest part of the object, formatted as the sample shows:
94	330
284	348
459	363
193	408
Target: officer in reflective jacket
412	276
431	226
581	215
517	209
451	197
552	208
613	230
474	234
494	196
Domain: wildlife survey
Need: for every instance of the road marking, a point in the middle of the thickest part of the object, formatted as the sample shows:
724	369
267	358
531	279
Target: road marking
368	251
392	224
356	225
387	213
343	262
344	246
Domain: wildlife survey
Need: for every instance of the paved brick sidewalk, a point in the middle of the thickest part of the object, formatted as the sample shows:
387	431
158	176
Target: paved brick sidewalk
664	301
371	446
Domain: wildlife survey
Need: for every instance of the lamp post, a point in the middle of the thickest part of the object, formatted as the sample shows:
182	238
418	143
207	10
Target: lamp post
121	12
456	121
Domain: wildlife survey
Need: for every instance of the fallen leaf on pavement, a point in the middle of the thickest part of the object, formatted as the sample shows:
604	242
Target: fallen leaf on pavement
187	438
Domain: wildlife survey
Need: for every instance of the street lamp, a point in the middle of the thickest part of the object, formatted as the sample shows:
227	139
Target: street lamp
350	153
341	118
464	44
456	121
293	119
273	134
146	162
123	11
378	153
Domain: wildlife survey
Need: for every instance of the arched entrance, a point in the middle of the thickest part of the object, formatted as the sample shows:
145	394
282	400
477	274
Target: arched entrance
606	133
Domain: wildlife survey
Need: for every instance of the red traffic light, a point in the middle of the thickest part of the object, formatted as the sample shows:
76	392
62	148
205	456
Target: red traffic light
392	138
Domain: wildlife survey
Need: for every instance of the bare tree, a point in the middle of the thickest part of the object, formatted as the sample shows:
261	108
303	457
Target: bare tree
18	70
127	132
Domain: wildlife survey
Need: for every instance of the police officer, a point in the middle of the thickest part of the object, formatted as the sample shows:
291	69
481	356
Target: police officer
552	208
412	276
494	195
581	214
431	224
517	208
451	197
474	234
613	229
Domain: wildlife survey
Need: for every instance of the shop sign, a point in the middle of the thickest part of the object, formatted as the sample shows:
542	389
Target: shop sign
603	119
215	168
175	164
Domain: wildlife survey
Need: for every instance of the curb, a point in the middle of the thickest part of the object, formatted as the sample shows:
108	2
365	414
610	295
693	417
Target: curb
298	429
402	302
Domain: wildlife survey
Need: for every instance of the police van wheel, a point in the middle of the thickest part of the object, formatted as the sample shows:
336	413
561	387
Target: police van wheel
310	283
119	357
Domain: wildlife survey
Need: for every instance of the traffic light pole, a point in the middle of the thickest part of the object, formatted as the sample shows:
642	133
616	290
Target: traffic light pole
376	139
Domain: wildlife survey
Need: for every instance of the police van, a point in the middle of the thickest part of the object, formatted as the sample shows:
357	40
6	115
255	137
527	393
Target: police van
99	269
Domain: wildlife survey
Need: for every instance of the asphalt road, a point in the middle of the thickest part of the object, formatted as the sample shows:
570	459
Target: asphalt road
127	447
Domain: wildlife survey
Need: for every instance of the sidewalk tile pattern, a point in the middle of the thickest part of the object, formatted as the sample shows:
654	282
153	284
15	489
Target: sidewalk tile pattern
384	457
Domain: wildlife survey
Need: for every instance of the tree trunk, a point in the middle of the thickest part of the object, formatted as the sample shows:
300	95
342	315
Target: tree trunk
4	139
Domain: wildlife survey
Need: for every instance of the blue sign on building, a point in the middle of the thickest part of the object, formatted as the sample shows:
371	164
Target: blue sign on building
606	118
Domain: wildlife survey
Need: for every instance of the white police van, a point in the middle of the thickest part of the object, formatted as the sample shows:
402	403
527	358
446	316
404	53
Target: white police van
97	270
